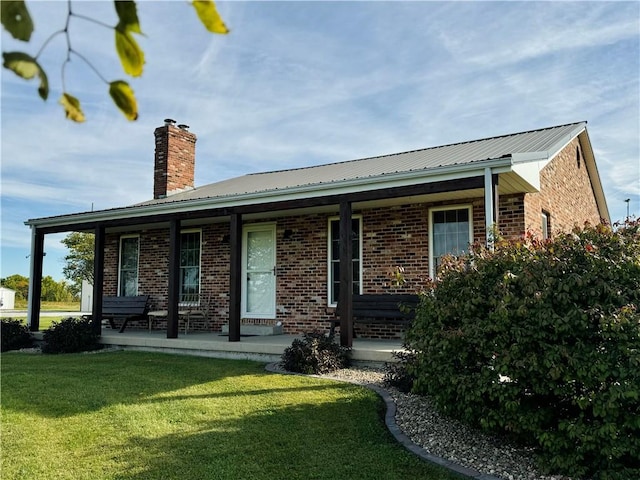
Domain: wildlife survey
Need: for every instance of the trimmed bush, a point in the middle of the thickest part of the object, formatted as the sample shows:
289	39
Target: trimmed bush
398	374
14	335
316	353
70	335
541	340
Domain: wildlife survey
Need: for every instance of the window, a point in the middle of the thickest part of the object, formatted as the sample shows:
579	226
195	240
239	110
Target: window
578	156
334	258
190	266
450	233
546	225
128	277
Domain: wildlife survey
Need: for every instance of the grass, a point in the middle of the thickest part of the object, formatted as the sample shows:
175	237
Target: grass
136	415
50	306
45	320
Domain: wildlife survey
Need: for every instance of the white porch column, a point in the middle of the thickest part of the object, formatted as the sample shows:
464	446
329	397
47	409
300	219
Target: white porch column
32	260
488	206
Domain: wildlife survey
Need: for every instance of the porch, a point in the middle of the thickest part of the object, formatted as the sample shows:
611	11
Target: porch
264	348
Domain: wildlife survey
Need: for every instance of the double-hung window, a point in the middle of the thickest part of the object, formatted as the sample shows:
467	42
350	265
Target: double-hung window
334	258
450	233
190	266
128	271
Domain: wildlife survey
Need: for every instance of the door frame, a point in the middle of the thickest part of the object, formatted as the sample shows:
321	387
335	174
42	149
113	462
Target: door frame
246	229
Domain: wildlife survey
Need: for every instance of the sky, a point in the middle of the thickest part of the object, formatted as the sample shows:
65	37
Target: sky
303	83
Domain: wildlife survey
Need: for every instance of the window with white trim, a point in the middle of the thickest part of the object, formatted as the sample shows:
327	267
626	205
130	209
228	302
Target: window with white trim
546	224
450	233
190	266
128	266
334	258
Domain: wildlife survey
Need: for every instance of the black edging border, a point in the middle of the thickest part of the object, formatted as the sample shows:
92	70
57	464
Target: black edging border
390	421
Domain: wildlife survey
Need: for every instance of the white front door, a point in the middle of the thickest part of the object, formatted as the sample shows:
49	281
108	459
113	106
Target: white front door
258	271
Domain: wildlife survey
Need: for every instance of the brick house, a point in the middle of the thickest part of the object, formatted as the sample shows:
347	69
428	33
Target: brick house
267	248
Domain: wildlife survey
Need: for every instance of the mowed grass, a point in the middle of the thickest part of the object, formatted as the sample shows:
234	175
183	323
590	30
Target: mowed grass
45	320
136	415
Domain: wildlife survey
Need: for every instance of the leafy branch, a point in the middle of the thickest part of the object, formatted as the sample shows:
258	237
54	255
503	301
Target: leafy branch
18	22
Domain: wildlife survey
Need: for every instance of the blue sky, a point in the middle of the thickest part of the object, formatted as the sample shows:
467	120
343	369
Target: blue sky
303	83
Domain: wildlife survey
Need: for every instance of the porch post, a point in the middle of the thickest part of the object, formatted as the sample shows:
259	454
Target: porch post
345	299
235	276
174	279
98	279
488	206
35	278
496	200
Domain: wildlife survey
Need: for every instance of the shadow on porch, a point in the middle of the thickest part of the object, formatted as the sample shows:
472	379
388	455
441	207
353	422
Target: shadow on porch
261	348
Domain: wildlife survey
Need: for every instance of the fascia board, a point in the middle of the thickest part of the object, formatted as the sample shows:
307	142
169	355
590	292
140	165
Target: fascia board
400	179
594	176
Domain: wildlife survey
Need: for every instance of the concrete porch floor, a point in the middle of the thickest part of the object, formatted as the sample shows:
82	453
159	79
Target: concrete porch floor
261	348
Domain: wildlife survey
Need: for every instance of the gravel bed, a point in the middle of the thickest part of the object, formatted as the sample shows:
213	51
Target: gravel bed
448	439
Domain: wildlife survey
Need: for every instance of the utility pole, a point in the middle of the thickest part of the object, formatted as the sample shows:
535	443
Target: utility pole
627	202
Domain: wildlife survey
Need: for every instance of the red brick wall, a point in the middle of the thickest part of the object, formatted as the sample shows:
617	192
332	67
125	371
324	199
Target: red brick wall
511	216
565	193
395	236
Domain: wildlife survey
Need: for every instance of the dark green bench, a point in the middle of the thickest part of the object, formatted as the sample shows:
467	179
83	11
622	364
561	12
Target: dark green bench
394	309
124	309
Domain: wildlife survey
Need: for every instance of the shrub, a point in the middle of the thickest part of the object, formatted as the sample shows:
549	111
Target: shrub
315	353
541	340
70	335
398	374
14	335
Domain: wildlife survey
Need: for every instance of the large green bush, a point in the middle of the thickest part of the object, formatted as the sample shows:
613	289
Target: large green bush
14	335
70	335
541	340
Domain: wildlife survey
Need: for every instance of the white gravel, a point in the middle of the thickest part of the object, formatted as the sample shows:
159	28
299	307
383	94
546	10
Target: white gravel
448	439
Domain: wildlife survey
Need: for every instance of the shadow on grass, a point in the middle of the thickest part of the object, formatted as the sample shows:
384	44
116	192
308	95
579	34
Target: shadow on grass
65	385
136	416
337	440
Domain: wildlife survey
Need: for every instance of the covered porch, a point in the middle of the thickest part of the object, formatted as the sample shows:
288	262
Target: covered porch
228	241
266	348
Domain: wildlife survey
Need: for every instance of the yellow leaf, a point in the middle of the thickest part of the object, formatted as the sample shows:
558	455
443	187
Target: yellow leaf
27	67
124	99
16	19
131	56
127	16
72	107
209	16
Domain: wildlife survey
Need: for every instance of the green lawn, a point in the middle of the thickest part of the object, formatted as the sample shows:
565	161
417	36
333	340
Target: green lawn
46	321
135	415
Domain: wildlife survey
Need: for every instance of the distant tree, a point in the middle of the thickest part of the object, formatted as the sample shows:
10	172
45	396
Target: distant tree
17	21
18	283
53	291
79	260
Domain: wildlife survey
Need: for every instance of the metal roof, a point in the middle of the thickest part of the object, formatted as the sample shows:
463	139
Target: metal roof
543	143
517	157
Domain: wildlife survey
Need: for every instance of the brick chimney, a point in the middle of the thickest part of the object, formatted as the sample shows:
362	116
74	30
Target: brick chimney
175	159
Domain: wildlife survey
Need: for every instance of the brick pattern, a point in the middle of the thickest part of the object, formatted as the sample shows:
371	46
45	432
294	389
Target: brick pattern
511	216
565	193
396	236
174	165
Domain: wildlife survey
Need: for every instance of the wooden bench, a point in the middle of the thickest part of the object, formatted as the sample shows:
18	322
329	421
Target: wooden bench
380	308
124	309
